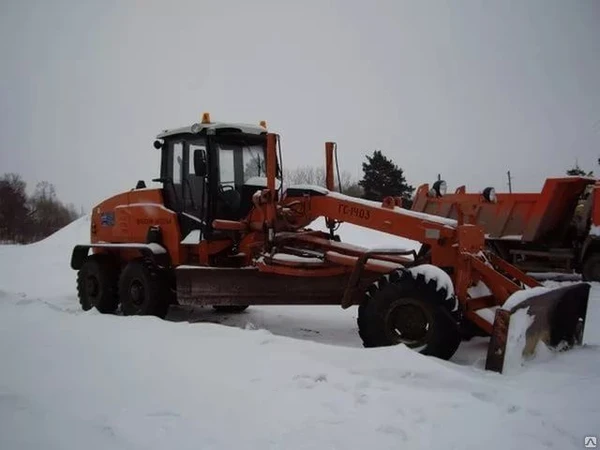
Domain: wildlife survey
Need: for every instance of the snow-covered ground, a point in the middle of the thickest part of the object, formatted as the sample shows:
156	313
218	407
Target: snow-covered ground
272	378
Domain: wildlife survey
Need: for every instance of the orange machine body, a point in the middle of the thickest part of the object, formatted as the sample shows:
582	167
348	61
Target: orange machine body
268	254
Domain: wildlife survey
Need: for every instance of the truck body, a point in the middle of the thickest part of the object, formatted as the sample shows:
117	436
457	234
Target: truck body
555	230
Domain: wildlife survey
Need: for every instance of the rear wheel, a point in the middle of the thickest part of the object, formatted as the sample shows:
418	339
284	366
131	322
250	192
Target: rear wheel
143	291
97	284
231	309
405	309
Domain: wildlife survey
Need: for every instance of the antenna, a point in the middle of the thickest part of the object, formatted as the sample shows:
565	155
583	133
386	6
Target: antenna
509	181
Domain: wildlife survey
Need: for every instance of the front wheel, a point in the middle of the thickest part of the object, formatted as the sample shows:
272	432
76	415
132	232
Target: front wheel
143	291
402	308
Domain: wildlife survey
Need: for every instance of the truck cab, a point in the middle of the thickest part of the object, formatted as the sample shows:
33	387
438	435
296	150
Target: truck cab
210	171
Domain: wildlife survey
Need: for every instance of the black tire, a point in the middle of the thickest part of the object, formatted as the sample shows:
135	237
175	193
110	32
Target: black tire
590	270
143	290
97	284
231	309
400	308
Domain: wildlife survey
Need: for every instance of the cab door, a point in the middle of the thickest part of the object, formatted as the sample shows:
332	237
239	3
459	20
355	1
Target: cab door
184	191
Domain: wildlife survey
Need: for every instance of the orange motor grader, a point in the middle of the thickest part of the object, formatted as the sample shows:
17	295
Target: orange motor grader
225	230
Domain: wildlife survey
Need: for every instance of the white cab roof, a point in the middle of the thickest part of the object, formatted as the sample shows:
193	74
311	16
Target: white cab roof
244	127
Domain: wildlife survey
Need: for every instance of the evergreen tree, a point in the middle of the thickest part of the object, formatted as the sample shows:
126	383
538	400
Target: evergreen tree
579	172
382	178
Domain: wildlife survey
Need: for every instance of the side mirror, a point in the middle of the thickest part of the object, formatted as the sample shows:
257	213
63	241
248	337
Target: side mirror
158	145
200	163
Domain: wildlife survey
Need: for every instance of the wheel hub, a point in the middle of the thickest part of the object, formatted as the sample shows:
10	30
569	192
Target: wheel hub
92	286
409	324
137	292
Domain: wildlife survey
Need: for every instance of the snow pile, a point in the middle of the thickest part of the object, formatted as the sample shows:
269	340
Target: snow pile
94	381
43	269
72	379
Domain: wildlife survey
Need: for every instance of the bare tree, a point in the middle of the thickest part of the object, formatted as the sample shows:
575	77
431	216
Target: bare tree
13	208
316	176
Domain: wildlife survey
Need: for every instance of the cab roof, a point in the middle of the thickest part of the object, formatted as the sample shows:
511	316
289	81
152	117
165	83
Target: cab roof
198	127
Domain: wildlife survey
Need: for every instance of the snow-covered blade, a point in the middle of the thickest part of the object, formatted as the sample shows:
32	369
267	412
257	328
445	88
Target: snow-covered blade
555	317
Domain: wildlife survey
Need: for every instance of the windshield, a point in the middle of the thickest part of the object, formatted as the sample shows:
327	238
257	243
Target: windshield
240	162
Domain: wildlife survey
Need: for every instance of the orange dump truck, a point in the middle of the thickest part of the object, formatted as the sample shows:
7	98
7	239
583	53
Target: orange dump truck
555	230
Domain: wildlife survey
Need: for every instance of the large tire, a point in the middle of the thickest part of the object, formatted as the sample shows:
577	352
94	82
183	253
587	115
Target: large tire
404	309
230	309
97	284
143	290
591	267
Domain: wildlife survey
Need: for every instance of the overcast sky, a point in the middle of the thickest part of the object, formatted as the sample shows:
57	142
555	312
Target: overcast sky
468	89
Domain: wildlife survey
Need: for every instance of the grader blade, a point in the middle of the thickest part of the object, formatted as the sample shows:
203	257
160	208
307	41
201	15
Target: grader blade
242	286
555	317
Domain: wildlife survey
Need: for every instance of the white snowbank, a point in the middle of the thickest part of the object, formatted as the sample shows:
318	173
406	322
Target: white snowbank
90	381
82	380
43	269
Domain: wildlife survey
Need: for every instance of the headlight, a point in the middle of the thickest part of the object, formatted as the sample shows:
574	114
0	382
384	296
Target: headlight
489	194
440	188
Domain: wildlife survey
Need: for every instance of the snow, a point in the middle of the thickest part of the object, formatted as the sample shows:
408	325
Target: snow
442	279
197	127
594	230
286	257
367	238
309	187
479	290
520	321
406	212
192	238
487	314
520	296
288	377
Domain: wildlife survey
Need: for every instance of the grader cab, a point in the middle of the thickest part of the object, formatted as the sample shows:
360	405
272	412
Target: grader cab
225	230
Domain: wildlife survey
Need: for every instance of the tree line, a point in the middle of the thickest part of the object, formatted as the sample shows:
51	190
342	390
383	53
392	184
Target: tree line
29	218
381	178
